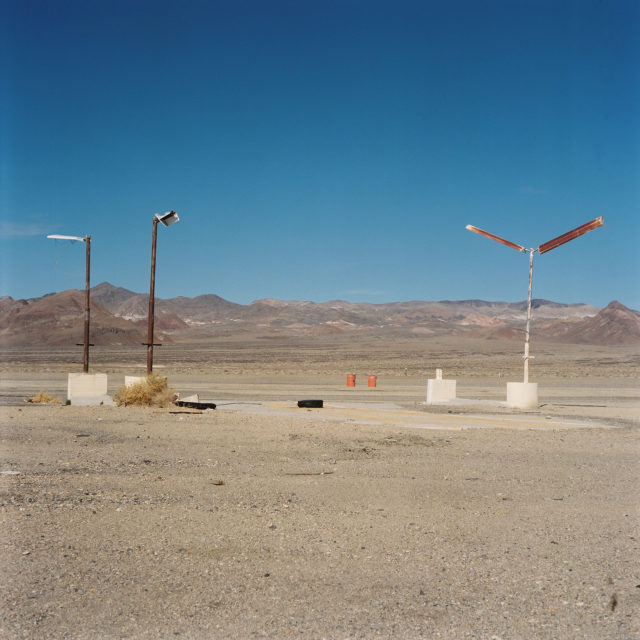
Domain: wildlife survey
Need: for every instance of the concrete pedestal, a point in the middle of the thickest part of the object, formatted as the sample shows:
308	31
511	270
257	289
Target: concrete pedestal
522	395
87	388
440	390
129	380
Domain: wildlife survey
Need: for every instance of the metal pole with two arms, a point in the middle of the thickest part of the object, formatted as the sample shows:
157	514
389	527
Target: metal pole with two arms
543	248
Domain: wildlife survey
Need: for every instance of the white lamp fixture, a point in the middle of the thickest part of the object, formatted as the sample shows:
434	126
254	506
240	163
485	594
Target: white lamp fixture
76	238
167	219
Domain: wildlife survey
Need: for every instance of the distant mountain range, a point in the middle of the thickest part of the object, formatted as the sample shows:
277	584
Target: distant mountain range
119	317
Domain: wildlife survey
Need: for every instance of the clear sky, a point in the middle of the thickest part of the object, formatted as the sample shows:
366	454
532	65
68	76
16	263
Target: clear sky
321	149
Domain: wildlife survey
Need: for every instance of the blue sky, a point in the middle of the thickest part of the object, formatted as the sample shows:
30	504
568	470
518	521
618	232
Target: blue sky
321	149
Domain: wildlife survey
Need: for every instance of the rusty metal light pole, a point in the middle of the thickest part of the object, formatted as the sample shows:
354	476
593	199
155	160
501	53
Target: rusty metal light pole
543	248
167	219
87	300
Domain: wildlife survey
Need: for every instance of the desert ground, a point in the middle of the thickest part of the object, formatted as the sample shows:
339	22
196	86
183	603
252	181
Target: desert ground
374	517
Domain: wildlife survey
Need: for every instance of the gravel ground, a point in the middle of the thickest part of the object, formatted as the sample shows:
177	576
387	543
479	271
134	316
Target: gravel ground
141	523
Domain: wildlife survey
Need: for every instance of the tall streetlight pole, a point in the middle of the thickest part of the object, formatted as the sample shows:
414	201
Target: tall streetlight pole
87	302
543	248
167	219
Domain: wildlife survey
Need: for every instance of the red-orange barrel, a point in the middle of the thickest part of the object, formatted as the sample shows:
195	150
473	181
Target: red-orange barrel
372	381
351	380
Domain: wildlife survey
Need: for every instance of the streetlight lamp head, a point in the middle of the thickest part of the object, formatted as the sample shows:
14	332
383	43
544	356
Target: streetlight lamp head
76	238
169	218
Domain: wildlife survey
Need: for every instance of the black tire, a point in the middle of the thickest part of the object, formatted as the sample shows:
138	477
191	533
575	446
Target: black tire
196	405
310	404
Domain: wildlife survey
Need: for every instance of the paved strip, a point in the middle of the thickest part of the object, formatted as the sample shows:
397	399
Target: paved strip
390	414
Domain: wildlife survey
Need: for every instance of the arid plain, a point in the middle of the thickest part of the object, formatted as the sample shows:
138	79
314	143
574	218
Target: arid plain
259	519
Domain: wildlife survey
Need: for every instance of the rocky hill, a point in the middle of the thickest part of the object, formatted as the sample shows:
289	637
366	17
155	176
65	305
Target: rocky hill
58	319
119	316
615	324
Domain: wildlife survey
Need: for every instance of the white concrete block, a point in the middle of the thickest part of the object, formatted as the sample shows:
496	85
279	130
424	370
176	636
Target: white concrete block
522	395
86	385
440	390
129	380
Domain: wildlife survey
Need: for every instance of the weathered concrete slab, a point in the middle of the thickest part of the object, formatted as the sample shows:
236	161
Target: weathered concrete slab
387	413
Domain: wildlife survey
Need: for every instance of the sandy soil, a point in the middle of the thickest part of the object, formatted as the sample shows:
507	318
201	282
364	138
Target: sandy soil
259	519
